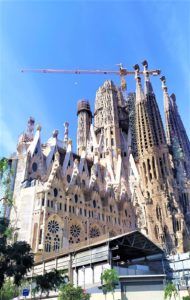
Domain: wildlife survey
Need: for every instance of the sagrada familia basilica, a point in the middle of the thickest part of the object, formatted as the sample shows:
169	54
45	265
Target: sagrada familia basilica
128	173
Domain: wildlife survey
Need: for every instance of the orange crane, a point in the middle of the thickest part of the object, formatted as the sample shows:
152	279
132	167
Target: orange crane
122	72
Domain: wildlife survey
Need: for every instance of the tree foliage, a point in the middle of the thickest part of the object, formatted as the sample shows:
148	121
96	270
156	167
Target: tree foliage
109	280
69	292
15	259
49	281
5	175
170	290
8	290
3	165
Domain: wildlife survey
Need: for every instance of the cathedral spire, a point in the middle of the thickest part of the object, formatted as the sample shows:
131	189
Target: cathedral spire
165	94
153	158
84	115
139	91
147	86
175	130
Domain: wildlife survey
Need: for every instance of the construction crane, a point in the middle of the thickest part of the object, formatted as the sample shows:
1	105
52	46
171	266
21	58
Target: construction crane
122	72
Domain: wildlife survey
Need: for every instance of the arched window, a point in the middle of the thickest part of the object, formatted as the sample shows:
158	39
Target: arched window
144	169
55	192
156	230
68	178
48	243
158	213
154	167
34	167
56	244
76	198
178	225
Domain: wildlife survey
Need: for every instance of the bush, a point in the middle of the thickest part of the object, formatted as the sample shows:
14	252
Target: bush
8	290
69	292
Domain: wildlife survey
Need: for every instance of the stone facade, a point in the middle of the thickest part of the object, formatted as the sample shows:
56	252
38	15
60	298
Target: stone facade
123	176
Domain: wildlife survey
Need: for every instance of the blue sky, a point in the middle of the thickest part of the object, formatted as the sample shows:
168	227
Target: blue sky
86	35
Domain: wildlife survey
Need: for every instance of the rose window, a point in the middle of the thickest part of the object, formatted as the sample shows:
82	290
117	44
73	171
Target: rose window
75	230
94	232
53	226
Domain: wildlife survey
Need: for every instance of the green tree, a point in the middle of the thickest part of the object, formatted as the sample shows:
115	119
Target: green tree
5	180
170	290
69	292
109	280
8	290
15	259
48	282
186	298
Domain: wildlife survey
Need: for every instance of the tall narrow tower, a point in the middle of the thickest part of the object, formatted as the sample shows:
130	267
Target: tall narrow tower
106	120
179	144
84	121
161	206
176	134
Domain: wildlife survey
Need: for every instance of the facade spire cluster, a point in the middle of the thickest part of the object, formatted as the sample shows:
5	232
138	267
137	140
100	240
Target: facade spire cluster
127	173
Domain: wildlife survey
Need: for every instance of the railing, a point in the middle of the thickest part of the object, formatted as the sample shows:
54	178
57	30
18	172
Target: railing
131	272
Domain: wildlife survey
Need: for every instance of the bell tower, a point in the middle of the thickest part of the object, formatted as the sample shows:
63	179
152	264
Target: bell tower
161	203
106	120
84	121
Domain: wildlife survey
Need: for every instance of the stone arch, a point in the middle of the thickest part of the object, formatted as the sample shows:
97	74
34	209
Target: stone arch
112	206
96	201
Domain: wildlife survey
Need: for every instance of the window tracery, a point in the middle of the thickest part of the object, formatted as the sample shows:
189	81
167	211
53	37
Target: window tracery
94	232
53	226
75	233
48	243
56	244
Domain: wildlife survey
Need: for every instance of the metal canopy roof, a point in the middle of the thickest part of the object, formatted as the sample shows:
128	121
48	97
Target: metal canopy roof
133	245
129	245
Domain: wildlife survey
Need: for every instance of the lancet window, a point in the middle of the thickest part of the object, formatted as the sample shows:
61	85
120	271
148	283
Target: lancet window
158	213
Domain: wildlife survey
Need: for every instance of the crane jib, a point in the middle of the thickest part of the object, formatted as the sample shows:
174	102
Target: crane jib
120	72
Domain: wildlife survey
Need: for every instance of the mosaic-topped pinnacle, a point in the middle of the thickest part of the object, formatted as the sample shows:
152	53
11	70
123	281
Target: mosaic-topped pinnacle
55	133
38	127
145	64
136	68
164	86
